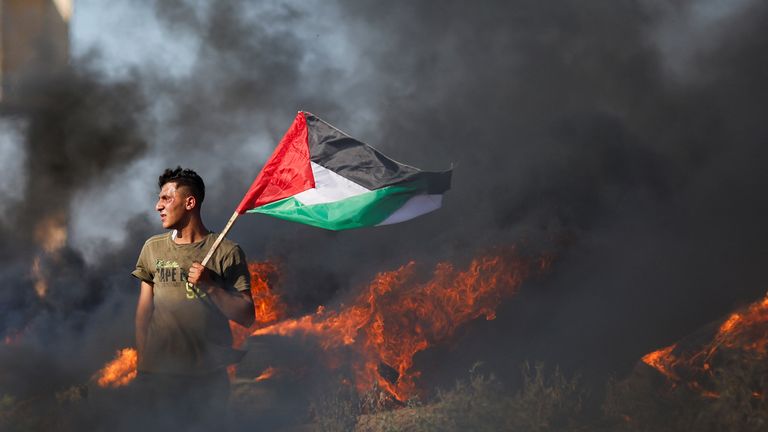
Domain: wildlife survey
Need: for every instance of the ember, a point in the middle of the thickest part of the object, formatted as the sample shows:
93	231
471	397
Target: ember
120	371
398	316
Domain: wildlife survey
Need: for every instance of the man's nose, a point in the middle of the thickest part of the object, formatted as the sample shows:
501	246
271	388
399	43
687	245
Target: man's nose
159	205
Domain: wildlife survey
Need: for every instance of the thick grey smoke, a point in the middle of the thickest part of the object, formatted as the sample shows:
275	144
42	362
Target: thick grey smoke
72	130
628	136
566	121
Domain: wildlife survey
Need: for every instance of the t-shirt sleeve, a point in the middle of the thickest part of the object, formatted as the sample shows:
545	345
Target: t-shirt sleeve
142	271
236	275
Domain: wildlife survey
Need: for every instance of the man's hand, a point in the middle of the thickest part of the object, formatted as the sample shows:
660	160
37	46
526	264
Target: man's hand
236	306
198	276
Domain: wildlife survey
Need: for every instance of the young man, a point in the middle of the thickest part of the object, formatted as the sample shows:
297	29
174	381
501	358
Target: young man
182	331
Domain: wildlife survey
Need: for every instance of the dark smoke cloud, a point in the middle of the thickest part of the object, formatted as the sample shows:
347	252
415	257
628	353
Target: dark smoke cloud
75	128
79	128
564	121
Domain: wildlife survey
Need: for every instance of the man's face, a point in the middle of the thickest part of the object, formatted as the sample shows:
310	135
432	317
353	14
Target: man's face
172	203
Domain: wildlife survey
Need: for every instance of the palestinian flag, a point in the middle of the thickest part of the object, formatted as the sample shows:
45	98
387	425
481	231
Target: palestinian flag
320	176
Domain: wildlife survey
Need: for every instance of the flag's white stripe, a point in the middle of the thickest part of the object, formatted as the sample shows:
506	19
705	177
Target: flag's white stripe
329	187
416	206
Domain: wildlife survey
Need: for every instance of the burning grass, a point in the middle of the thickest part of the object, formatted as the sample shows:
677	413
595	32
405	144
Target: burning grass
398	316
715	380
120	371
734	401
267	304
743	334
545	401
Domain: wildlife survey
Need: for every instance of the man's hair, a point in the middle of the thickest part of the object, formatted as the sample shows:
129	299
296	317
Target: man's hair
184	177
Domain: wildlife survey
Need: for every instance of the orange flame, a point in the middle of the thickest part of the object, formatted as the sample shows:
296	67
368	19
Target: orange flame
267	374
51	233
745	330
41	283
268	306
662	360
120	371
51	236
397	316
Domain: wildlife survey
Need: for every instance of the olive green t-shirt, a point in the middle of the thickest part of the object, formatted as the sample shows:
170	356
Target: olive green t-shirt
188	334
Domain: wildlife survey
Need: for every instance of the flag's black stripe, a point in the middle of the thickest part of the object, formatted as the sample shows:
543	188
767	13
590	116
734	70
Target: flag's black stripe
362	163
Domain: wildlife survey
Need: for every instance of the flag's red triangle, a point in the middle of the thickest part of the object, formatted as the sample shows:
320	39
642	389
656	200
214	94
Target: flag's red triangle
286	173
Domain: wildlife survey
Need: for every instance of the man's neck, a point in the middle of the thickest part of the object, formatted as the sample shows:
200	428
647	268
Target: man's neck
193	232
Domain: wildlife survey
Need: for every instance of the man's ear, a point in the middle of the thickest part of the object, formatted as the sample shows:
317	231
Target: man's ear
190	202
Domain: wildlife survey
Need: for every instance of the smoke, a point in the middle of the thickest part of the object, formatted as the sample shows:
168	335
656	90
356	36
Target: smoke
626	136
66	129
567	123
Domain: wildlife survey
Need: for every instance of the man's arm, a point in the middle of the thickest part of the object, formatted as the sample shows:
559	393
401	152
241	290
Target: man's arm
236	306
143	314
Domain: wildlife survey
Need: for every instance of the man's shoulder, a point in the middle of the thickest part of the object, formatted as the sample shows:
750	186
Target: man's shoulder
228	251
156	238
227	246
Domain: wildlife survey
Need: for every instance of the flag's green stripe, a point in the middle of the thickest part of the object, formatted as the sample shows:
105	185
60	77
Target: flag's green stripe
363	210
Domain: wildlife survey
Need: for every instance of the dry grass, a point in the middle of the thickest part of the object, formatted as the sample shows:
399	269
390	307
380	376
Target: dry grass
736	400
546	402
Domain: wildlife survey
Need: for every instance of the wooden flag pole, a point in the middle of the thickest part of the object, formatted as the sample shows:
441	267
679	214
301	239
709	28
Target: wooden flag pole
224	232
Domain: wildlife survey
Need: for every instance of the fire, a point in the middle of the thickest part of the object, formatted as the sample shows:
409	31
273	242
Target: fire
662	360
51	236
51	233
399	316
749	327
120	371
745	330
41	283
267	374
268	306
